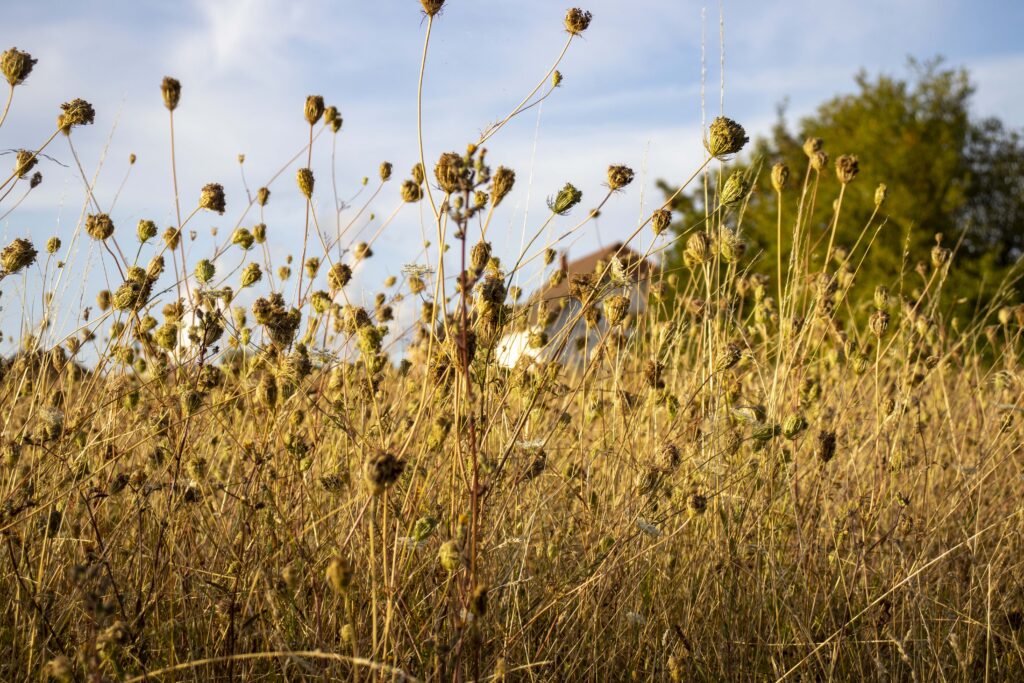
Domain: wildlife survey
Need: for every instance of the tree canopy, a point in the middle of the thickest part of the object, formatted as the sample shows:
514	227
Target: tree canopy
947	173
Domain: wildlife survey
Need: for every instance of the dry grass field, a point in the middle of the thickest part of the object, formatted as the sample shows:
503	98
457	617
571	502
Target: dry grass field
243	476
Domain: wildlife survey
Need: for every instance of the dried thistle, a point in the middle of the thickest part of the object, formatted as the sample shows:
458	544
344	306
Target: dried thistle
77	112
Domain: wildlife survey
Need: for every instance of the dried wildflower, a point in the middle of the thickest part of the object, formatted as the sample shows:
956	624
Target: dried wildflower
259	233
615	309
385	171
478	600
251	274
17	255
619	177
172	237
339	575
205	271
880	194
819	161
847	168
696	504
304	177
793	425
698	249
77	112
780	176
146	230
734	190
501	184
24	161
338	276
52	245
825	446
577	21
451	172
731	246
450	556
565	200
382	470
16	65
432	7
211	198
59	669
411	191
879	323
35	181
812	146
660	221
171	90
314	109
243	238
99	226
730	356
725	137
668	458
940	254
361	251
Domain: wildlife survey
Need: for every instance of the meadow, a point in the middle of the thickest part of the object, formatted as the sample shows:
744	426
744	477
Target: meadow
242	475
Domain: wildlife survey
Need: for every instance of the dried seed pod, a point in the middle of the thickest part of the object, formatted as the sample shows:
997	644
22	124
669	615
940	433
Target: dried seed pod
170	88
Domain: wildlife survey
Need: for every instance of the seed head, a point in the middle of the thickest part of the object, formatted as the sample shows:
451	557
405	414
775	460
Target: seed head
619	177
305	180
16	65
243	238
812	146
793	425
251	274
698	249
205	271
478	600
879	323
314	109
17	255
696	504
734	190
381	471
146	230
577	21
385	171
211	198
24	161
780	176
880	194
819	161
660	221
847	168
451	172
450	556
99	226
339	575
52	245
77	112
432	7
411	191
725	137
501	184
825	446
565	200
35	180
171	90
338	276
615	309
730	356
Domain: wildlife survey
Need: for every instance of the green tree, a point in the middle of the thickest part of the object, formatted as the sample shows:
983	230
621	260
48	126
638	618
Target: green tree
946	173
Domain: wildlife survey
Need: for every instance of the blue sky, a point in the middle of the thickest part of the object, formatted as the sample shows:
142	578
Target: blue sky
632	94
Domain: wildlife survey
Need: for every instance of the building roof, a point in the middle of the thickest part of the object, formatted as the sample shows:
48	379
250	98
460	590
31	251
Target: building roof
636	266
